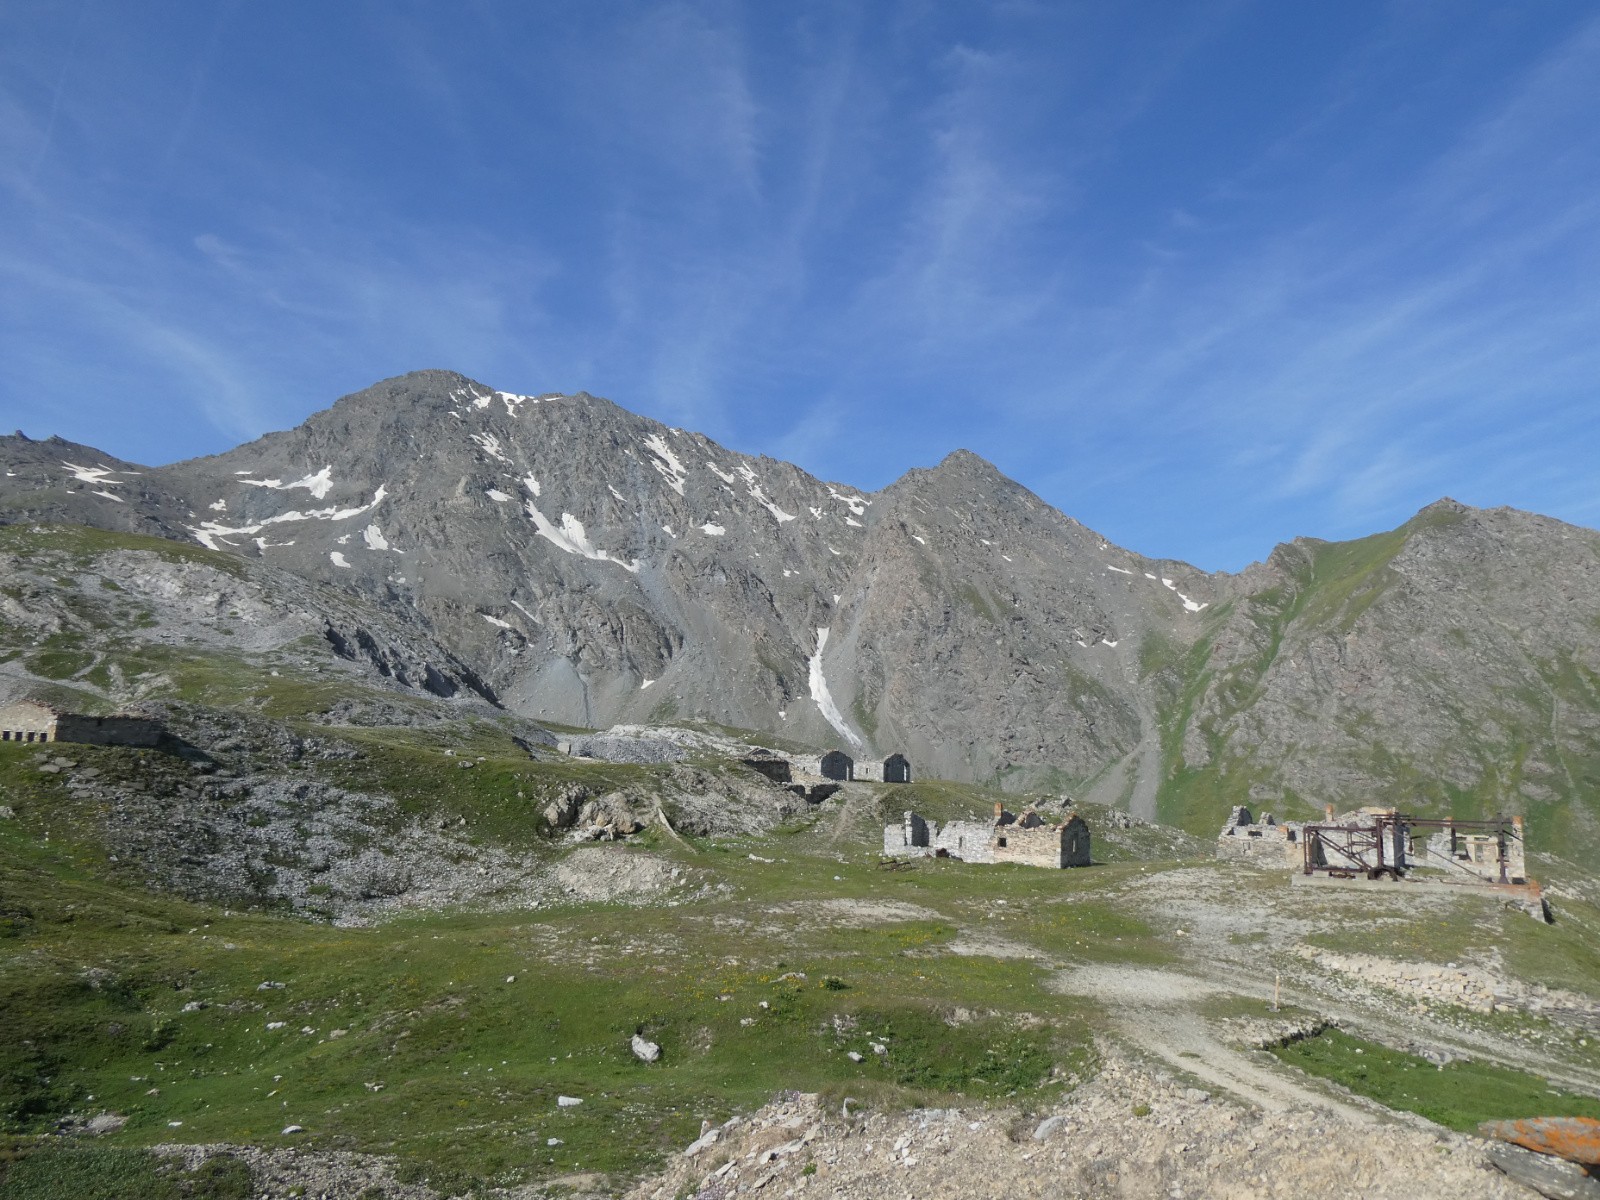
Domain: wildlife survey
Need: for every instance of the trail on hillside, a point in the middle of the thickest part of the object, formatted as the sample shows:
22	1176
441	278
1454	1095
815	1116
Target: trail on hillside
1154	1012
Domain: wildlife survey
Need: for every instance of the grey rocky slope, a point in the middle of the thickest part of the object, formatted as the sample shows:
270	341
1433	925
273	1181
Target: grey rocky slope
595	567
128	617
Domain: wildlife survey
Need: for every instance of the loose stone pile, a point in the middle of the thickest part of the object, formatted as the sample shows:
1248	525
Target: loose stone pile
1466	987
1131	1133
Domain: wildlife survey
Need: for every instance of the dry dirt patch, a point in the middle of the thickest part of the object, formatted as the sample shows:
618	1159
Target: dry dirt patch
605	874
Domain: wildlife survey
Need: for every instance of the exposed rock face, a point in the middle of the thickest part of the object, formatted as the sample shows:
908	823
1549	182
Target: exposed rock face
115	605
590	566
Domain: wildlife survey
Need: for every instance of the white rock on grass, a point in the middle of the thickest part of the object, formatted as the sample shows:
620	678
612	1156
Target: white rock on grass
704	1142
645	1051
568	1101
288	1129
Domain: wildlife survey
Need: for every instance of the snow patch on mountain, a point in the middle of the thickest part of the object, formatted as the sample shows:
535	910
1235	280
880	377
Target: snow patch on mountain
512	401
778	514
319	485
490	445
856	504
1188	604
572	538
666	462
209	533
824	698
101	475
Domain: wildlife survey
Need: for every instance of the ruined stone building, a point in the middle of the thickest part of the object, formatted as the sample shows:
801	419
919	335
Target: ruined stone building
32	721
1028	839
1378	841
1490	855
1266	842
773	766
835	764
894	769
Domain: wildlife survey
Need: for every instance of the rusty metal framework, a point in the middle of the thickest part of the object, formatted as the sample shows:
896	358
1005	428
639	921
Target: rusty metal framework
1380	846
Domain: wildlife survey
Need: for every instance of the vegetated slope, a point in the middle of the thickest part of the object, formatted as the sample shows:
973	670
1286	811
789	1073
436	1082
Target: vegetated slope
1450	666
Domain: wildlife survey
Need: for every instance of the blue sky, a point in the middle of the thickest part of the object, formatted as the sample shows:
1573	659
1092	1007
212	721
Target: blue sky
1205	275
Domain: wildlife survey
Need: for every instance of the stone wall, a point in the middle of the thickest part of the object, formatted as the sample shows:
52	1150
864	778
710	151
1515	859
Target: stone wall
1034	843
1462	985
907	839
894	769
1476	855
774	768
28	721
1265	842
108	731
1030	840
966	840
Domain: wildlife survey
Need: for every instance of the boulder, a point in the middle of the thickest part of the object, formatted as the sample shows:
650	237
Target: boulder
1547	1175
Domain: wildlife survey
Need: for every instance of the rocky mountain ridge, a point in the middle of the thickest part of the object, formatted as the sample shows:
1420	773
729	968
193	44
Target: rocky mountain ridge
595	567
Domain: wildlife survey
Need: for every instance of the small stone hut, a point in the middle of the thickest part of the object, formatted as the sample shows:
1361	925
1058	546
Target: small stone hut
835	764
33	721
894	769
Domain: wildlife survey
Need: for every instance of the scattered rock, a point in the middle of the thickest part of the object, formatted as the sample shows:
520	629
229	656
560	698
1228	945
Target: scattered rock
106	1122
704	1142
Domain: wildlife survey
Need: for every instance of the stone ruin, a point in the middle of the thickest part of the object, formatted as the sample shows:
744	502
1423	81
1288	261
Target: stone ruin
1028	839
808	774
1266	842
1375	841
34	721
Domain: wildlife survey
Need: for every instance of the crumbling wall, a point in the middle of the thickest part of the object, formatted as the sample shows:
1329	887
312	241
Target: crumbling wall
1265	842
1476	855
107	731
909	838
966	840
